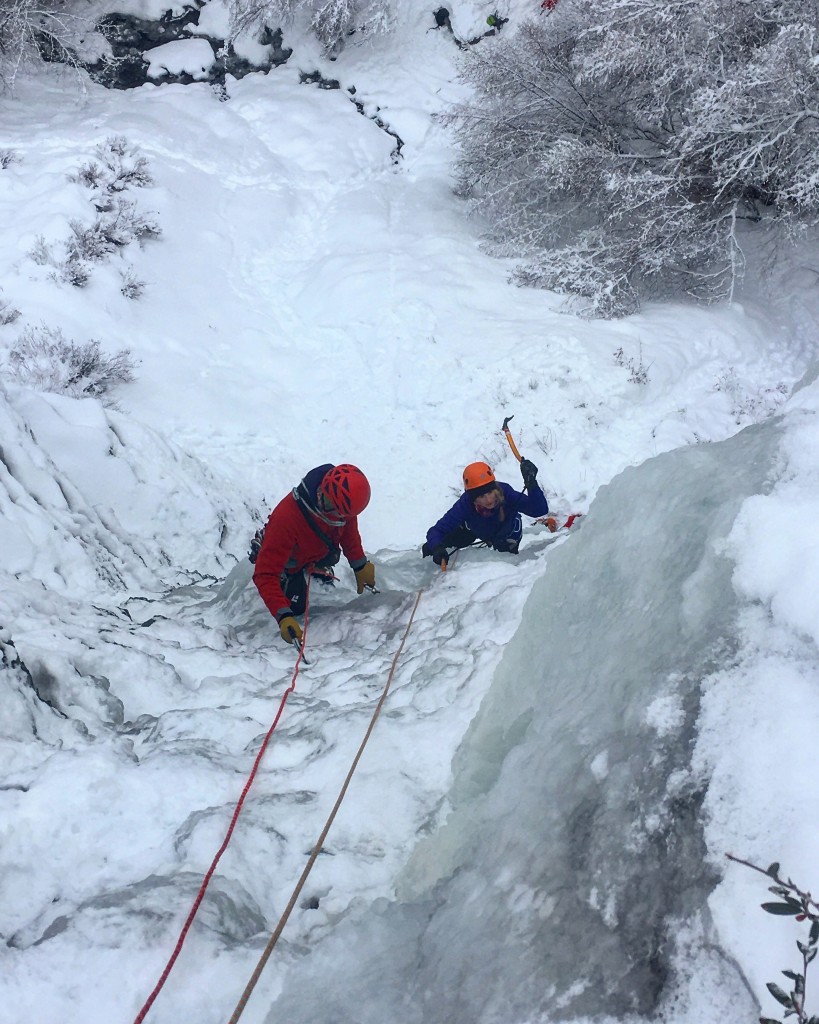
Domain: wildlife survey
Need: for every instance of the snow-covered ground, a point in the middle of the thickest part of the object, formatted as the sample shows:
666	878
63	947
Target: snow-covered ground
601	718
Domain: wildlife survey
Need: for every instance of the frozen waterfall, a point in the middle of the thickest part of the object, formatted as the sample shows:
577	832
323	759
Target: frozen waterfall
571	876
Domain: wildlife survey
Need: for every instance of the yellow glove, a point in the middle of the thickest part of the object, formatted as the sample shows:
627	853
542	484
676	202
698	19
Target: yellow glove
365	576
290	629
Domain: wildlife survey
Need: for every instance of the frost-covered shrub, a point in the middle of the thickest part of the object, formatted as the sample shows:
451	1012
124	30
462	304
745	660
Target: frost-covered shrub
43	359
750	404
122	224
118	165
617	150
7	157
40	252
8	314
637	369
330	20
92	243
132	287
75	272
118	221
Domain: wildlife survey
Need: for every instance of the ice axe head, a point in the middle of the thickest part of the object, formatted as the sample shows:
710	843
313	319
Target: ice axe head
510	439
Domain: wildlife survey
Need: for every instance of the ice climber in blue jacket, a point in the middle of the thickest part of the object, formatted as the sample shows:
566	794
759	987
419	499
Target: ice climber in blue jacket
489	510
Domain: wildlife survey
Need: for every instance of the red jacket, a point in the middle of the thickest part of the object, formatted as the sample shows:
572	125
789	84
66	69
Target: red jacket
290	544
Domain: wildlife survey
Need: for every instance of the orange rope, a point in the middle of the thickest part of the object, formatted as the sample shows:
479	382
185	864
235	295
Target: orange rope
206	881
274	938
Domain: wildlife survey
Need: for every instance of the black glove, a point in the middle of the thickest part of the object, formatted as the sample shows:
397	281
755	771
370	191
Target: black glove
528	470
439	552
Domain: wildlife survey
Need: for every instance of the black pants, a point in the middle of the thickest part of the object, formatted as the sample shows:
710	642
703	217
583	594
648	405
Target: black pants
460	537
463	537
294	584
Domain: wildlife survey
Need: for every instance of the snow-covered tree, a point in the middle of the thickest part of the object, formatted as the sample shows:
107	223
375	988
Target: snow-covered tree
43	29
330	20
618	148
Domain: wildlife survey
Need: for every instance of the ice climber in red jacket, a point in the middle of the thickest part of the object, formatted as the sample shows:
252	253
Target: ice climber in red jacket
306	532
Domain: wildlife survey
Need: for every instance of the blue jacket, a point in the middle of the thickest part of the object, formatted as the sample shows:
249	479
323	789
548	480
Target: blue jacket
493	528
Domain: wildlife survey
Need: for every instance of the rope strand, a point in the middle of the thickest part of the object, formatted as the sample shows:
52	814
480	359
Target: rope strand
274	938
237	811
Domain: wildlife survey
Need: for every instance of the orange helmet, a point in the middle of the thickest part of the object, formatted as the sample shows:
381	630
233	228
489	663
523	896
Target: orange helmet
347	489
478	474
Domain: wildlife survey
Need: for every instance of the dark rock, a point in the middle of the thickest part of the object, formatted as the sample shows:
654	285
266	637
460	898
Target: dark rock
130	38
316	78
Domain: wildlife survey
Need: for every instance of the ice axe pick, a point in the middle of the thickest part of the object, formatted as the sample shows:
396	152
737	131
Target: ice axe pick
510	439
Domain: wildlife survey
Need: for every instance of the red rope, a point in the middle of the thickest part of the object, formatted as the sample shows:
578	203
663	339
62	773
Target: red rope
274	938
206	880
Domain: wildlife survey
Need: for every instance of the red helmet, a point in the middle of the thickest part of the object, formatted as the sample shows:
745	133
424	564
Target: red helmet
347	489
478	474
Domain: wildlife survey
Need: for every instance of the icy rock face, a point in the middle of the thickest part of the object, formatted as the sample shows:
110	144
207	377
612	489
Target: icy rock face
572	856
77	484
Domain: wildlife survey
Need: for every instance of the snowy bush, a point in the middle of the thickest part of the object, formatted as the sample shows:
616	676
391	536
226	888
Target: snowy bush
8	314
7	157
330	20
638	371
118	221
122	224
618	150
40	252
749	405
118	166
43	359
132	287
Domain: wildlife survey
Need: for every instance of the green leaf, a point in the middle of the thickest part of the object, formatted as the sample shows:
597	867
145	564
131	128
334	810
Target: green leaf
810	954
789	909
773	869
814	933
770	1020
778	994
792	975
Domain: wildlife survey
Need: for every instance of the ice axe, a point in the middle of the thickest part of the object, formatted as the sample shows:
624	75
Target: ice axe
299	645
512	444
510	439
548	521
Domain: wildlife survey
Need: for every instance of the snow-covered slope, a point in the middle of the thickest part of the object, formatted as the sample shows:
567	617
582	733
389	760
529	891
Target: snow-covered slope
312	299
